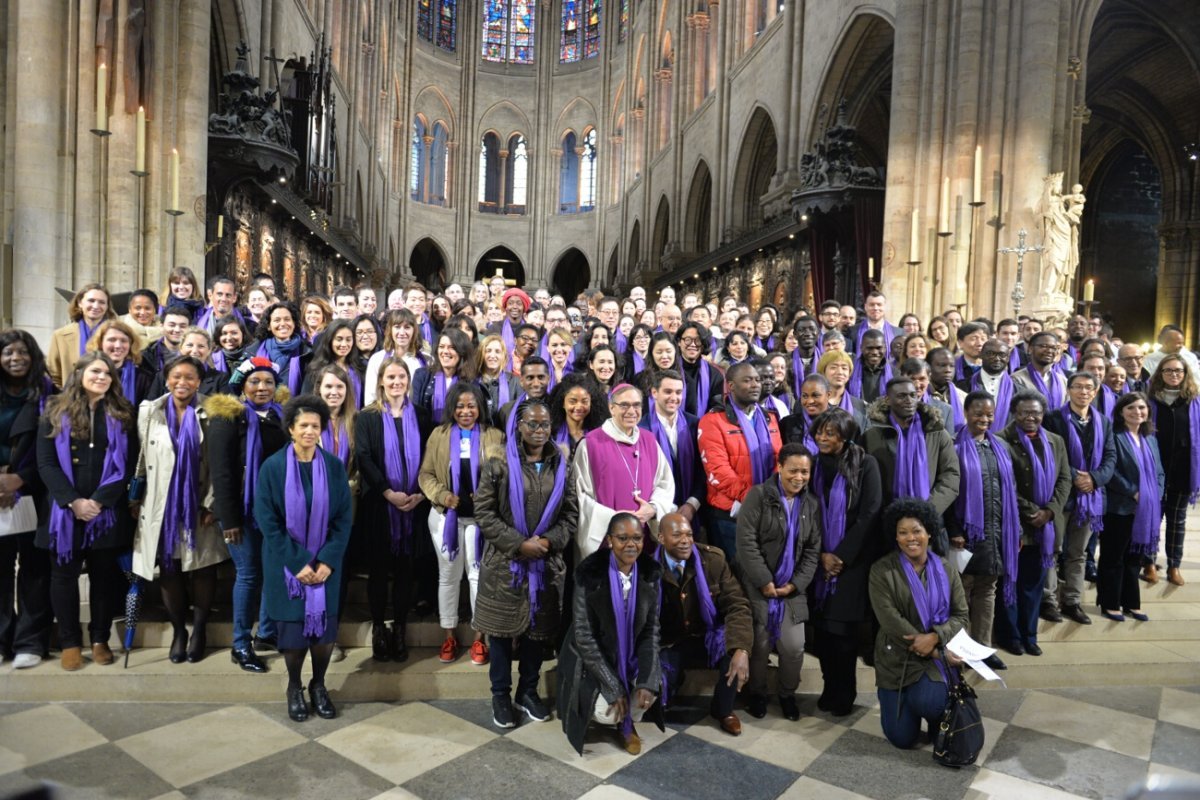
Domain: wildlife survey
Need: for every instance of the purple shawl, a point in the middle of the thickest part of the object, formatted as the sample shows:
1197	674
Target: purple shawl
1045	471
182	510
254	453
855	387
912	460
833	514
520	568
62	519
758	442
623	611
685	455
440	387
931	598
85	334
129	381
787	562
207	318
342	448
308	525
703	387
1056	392
1003	398
714	629
1194	450
1089	506
799	373
450	524
401	467
1148	517
969	505
1106	401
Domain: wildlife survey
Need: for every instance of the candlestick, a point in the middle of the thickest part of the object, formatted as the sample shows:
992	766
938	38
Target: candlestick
914	244
139	158
101	127
977	190
944	209
175	180
1089	292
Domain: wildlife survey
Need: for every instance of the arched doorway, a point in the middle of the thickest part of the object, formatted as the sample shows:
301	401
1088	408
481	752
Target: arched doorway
698	221
501	259
428	265
571	274
754	169
1137	168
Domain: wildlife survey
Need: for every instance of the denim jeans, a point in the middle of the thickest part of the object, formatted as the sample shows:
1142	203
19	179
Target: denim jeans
722	533
901	711
247	590
529	664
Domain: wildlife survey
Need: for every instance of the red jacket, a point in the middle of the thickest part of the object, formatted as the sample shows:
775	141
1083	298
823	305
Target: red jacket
726	456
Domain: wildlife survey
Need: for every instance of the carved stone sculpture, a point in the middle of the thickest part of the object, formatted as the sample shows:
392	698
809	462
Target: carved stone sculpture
1060	216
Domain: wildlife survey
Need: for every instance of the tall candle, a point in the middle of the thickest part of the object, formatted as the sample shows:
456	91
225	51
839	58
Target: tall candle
220	225
977	191
871	267
1089	292
944	208
139	159
102	98
175	181
914	244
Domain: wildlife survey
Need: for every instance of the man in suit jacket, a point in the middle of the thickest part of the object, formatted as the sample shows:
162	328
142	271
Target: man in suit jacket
677	435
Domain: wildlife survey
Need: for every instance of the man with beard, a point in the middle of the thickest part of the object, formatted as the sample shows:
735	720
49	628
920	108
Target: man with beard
994	379
771	402
1077	333
830	316
872	372
1040	374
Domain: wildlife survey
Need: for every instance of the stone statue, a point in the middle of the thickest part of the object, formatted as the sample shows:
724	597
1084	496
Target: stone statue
1060	216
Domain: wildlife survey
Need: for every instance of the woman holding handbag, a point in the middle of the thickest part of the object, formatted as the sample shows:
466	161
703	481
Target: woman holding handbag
86	452
24	389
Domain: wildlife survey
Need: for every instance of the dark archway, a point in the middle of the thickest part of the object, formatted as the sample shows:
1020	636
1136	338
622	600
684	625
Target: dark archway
614	267
754	169
500	258
571	274
662	233
698	220
428	264
860	73
635	249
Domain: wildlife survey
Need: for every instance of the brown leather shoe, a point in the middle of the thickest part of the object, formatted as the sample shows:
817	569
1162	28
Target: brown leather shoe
632	743
101	654
72	658
1174	576
1150	574
731	725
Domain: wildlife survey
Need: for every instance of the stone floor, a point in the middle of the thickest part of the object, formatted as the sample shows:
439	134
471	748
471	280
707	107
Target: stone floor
1055	743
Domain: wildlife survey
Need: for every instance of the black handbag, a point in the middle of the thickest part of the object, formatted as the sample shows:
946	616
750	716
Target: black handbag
959	735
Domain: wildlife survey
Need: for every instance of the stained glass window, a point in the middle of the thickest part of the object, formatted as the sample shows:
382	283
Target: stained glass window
587	165
416	167
508	30
623	28
580	30
436	21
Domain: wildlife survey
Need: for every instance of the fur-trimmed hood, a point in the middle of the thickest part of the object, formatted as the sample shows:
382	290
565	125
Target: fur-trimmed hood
229	407
931	418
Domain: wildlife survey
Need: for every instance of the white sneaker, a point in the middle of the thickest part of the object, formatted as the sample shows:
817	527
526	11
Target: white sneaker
26	660
338	654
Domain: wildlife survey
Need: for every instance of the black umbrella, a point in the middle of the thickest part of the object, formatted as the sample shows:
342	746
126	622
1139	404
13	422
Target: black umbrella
133	602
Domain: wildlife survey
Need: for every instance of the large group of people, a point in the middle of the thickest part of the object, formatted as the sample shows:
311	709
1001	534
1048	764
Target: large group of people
632	487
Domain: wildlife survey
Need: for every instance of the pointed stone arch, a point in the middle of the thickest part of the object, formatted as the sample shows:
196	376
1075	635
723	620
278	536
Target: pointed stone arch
428	263
571	274
697	224
753	171
662	233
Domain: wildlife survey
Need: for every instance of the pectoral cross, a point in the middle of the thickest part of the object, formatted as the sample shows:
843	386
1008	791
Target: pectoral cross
1018	292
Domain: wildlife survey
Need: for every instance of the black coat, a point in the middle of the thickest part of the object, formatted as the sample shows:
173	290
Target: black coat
696	468
1174	443
423	386
225	448
369	457
1055	423
586	665
87	464
691	379
22	444
861	545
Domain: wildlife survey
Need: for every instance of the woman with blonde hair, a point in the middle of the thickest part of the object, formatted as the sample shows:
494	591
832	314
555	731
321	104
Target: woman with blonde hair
559	345
90	306
315	316
119	342
182	289
499	386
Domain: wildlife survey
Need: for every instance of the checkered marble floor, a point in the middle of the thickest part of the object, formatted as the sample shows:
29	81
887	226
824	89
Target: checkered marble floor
1040	744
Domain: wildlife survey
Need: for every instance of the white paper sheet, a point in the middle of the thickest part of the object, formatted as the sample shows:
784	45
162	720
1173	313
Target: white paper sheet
960	558
974	653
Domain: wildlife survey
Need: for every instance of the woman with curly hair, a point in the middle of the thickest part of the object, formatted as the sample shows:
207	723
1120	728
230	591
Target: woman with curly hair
577	407
280	340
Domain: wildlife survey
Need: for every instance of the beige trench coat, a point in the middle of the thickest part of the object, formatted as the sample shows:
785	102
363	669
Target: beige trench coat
156	463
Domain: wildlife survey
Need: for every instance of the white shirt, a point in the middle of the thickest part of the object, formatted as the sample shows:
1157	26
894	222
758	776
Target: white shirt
668	427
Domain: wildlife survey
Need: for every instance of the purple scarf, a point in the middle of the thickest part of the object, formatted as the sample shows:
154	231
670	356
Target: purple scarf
1106	402
758	442
886	330
1149	504
703	387
855	387
1003	399
912	460
962	370
438	404
714	630
342	448
1055	393
62	520
1014	360
787	562
183	502
1194	450
767	344
833	514
206	318
450	524
623	611
969	505
401	470
1045	471
506	333
1089	506
522	569
129	381
308	525
356	387
218	360
254	452
847	403
86	333
685	455
288	351
931	598
799	373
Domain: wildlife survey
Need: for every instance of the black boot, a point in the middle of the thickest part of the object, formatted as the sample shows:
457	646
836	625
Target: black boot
399	651
297	707
380	642
320	700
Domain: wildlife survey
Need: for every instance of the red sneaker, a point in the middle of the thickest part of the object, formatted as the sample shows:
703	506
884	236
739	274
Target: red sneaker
479	653
449	652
